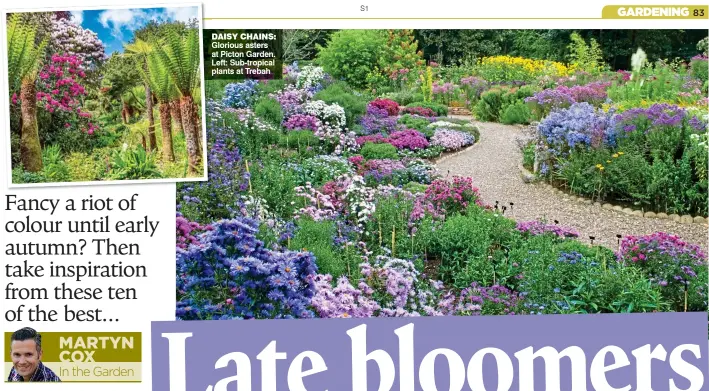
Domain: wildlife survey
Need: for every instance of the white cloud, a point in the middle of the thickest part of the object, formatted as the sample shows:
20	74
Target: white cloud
77	17
183	14
118	19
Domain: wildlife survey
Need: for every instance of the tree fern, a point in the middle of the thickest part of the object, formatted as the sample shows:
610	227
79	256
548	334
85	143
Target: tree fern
180	56
159	79
23	55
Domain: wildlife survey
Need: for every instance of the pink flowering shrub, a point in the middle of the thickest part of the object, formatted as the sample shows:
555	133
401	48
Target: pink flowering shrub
677	266
443	198
391	107
374	138
408	139
60	92
422	111
186	231
302	122
318	206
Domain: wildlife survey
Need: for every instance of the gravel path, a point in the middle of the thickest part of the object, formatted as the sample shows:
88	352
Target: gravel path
493	165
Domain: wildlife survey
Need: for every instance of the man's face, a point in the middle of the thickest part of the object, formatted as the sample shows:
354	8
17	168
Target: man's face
25	357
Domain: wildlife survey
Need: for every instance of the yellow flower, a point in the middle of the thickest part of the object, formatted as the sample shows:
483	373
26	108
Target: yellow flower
620	153
600	166
615	155
608	161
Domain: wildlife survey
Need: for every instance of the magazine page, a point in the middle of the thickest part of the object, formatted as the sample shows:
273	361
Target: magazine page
365	196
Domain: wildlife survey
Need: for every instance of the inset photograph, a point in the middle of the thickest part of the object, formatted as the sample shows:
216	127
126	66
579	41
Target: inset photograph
105	95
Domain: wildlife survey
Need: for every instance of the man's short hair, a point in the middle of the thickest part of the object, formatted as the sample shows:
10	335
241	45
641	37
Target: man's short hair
26	333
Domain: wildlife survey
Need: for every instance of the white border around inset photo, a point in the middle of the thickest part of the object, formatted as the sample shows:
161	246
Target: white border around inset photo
6	104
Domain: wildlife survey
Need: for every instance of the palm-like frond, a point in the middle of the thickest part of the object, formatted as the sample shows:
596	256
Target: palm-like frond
138	48
180	57
24	57
139	52
159	79
135	97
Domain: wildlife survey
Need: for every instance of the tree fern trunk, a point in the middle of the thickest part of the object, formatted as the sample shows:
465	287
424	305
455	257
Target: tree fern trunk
176	114
197	132
166	125
189	124
124	112
30	150
151	118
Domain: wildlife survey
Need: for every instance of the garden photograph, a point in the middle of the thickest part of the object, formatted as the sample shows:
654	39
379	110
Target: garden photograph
396	173
105	95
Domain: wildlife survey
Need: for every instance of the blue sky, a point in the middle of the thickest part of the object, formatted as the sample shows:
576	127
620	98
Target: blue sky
115	26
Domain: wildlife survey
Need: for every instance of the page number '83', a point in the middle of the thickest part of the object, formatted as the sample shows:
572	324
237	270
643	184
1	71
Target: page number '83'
364	8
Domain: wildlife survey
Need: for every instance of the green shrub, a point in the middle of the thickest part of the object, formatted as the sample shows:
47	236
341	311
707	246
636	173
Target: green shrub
700	70
489	106
272	182
412	122
15	148
464	242
21	176
85	168
54	170
298	139
214	89
439	109
391	216
133	163
317	238
517	113
352	54
504	104
270	110
404	97
339	92
266	87
528	154
379	151
566	276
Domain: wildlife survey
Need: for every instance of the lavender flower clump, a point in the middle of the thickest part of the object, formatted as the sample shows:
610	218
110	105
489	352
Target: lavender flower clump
451	139
581	125
494	300
389	287
657	115
377	120
231	275
302	122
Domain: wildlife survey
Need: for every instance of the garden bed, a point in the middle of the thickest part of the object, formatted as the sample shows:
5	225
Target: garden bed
355	223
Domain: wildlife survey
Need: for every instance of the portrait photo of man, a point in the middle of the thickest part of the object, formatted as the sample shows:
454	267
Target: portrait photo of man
26	353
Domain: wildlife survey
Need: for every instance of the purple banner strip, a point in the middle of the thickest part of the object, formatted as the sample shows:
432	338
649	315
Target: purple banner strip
645	352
